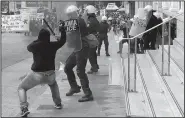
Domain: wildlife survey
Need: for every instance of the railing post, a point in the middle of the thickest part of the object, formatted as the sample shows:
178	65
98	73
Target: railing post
128	60
169	46
135	61
162	50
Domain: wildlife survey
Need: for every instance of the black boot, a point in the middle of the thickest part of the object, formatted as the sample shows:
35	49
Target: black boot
107	54
87	97
73	91
98	54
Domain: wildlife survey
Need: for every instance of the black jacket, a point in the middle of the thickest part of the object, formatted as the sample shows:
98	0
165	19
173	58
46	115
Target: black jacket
44	51
93	24
104	28
153	21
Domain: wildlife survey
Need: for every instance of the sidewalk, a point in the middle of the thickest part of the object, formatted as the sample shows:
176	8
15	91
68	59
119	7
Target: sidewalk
108	100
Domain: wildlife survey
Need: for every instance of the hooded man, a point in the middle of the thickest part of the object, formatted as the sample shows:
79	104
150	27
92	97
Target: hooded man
43	68
76	33
103	30
150	37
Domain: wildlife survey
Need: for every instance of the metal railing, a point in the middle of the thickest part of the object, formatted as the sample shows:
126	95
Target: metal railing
135	54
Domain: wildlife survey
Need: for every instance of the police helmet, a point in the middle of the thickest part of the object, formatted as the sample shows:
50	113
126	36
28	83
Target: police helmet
104	18
110	18
157	14
90	9
148	8
71	9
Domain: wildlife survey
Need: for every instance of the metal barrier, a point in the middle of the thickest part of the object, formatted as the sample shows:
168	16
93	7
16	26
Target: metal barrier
135	55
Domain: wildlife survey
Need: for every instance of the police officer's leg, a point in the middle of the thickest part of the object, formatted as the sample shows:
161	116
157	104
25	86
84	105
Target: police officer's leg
96	58
124	32
93	60
70	64
142	45
99	46
82	57
132	46
153	41
146	43
106	42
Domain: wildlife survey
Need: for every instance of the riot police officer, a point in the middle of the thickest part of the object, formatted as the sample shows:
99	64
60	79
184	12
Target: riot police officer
103	30
93	27
77	30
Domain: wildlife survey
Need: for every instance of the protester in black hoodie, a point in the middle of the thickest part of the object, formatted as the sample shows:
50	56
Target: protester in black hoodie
43	68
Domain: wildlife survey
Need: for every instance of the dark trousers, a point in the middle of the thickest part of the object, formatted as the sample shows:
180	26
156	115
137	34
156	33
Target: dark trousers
103	38
132	45
78	59
150	41
124	32
93	58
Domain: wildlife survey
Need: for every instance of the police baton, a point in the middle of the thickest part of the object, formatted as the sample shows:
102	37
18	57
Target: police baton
49	27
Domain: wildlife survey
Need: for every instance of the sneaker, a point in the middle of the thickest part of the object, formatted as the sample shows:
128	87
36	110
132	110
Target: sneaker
24	112
59	106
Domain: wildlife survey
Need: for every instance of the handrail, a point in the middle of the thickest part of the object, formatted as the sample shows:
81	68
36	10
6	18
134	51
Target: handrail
155	26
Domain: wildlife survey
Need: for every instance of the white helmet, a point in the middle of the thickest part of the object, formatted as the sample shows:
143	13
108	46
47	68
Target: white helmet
110	18
132	19
157	14
148	8
90	9
71	9
104	18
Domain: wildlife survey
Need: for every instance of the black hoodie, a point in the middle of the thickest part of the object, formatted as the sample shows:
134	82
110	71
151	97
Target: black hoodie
44	51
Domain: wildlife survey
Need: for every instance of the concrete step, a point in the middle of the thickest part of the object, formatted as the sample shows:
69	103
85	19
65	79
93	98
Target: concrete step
179	42
137	102
161	101
173	83
176	56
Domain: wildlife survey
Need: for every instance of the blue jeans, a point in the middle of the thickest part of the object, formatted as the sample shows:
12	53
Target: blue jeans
37	78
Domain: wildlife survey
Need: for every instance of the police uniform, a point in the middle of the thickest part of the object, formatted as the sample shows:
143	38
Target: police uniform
103	30
77	28
93	27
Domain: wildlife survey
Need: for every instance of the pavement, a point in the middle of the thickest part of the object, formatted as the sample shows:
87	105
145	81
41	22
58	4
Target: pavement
108	99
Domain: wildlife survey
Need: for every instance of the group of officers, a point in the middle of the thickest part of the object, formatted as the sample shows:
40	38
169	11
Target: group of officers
81	33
